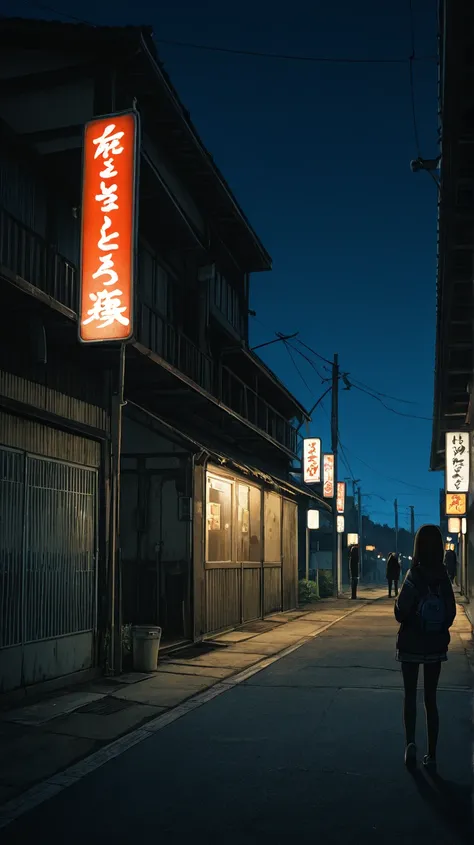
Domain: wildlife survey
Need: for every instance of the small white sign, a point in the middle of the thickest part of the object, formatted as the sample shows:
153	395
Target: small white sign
313	520
457	462
340	525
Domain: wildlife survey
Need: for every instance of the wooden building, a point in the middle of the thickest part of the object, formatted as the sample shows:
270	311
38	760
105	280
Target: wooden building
198	449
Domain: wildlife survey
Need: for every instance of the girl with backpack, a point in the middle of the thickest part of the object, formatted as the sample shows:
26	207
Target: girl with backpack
426	609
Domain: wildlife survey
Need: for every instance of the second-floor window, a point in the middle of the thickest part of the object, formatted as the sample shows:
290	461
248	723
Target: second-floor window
226	300
154	283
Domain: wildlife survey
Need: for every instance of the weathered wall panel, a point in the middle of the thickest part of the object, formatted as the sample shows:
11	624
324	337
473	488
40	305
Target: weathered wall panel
290	554
252	593
271	589
31	436
223	598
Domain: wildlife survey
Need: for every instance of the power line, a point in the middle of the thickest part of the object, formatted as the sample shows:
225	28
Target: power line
287	347
288	56
345	459
310	362
393	410
322	358
358	385
397	480
190	45
45	8
379	393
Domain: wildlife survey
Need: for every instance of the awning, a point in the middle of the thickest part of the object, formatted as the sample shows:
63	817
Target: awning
225	458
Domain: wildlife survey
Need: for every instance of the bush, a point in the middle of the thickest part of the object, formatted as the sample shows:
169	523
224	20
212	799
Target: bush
325	584
307	591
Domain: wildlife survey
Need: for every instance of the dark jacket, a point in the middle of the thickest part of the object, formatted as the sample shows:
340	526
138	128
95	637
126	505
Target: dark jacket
354	562
451	562
411	638
393	568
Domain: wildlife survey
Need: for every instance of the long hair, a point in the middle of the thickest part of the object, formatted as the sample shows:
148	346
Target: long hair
428	549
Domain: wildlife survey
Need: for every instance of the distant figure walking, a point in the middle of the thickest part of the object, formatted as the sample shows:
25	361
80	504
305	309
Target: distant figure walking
393	573
426	609
451	563
354	570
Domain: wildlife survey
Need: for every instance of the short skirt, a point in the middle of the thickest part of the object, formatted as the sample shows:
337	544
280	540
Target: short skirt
406	657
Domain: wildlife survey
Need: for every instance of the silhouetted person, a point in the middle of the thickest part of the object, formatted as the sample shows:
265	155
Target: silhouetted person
426	610
354	570
393	573
451	563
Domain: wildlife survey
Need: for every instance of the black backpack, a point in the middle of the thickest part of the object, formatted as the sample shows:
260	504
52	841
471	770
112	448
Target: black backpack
431	611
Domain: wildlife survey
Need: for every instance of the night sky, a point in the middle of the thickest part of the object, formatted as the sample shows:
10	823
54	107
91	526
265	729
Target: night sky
318	155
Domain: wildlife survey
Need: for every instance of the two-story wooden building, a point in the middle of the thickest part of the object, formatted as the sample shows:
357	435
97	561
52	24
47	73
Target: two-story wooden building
145	482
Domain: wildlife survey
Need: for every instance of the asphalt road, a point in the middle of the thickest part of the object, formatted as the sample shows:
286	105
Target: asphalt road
309	750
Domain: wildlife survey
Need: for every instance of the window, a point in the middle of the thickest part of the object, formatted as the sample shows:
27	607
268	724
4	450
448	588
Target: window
154	282
249	539
219	519
161	290
272	528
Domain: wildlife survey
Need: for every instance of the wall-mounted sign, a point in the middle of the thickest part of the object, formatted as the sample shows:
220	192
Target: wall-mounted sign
370	548
313	520
454	525
107	263
352	539
328	483
340	525
455	504
457	462
341	496
464	525
312	460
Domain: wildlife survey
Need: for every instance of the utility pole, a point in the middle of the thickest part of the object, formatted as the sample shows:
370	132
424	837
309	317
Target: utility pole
361	545
412	520
395	504
334	443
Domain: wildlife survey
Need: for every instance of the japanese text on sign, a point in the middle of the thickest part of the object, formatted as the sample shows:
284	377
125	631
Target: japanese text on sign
108	228
340	525
312	460
341	496
457	462
328	478
455	504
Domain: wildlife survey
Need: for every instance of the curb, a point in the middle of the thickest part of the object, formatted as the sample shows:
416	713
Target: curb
43	791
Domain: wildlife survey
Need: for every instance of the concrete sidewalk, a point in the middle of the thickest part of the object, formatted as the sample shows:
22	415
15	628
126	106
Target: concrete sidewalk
41	739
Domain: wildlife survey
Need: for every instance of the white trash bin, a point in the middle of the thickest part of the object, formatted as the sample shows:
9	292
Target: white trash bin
146	645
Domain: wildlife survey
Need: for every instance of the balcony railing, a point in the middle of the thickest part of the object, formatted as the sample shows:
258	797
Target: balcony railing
239	397
154	332
26	254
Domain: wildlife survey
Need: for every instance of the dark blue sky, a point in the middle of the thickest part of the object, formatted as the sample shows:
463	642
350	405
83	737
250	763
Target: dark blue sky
318	156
